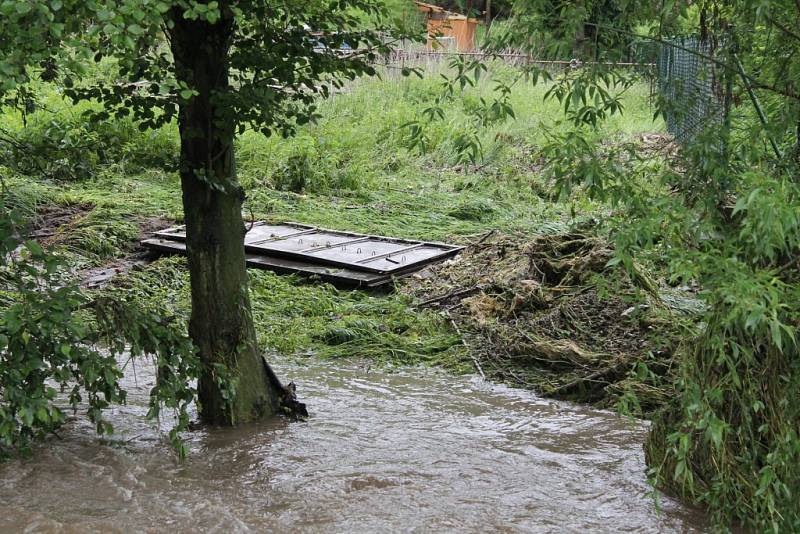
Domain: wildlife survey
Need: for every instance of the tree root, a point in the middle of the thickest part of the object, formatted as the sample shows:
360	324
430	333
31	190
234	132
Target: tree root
287	395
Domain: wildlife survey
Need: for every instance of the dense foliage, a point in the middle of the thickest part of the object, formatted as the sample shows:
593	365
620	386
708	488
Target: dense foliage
722	215
61	349
281	54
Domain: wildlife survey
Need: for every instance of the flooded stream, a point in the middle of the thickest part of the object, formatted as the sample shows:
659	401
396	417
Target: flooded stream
405	451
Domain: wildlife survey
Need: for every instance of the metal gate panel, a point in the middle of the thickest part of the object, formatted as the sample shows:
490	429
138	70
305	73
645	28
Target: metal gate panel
345	258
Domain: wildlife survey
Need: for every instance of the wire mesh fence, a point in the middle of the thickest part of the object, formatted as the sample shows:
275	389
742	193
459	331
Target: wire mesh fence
689	84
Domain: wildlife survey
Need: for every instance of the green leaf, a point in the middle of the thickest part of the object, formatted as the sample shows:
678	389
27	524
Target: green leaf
34	248
27	416
42	415
777	336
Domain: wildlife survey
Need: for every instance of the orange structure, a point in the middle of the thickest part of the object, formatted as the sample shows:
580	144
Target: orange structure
449	29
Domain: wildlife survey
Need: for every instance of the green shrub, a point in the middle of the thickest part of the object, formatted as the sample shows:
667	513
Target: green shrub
60	145
56	341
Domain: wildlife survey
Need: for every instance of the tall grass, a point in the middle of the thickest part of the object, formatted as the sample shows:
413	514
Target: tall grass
355	169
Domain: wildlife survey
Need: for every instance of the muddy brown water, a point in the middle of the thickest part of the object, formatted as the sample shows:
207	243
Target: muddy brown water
414	450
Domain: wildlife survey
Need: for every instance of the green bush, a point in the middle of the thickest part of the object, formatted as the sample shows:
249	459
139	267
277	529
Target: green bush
56	341
60	145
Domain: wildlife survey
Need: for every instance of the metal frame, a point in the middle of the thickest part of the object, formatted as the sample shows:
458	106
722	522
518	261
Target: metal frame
307	255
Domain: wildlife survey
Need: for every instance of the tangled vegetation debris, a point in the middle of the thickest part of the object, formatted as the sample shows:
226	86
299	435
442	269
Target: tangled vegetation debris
53	222
548	312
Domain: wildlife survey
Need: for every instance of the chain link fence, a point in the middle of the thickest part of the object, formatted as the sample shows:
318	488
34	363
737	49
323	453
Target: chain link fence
690	87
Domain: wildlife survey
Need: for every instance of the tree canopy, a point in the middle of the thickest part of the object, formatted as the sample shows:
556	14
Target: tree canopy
282	55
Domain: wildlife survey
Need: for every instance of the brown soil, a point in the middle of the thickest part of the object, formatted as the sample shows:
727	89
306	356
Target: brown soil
97	277
150	225
54	222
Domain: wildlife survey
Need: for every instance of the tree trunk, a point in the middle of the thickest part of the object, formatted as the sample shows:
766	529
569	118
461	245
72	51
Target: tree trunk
221	324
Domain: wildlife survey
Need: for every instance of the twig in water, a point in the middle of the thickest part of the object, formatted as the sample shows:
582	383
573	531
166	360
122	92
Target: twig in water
593	377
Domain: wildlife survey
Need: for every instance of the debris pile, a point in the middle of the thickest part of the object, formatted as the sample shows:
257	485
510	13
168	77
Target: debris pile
548	312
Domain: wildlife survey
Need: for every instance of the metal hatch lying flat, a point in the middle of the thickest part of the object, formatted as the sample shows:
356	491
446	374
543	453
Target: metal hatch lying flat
344	257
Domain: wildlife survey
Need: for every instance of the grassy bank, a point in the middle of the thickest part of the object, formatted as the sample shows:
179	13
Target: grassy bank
355	169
